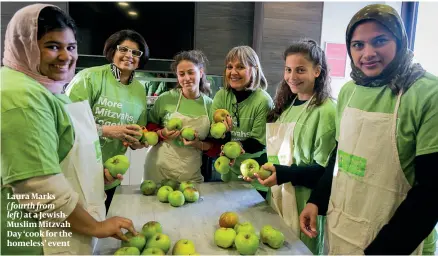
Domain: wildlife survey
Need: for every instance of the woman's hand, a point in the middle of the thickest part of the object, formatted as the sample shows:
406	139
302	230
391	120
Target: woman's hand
269	181
194	143
308	220
112	227
108	179
138	145
125	133
228	122
170	135
242	151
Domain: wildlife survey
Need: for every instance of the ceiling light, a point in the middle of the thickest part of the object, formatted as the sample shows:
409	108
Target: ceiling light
124	4
132	13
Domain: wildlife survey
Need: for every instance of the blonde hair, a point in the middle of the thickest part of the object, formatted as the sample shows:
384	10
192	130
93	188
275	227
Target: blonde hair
248	57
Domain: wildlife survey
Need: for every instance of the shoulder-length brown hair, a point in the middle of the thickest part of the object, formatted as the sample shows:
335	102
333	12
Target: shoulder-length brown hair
284	96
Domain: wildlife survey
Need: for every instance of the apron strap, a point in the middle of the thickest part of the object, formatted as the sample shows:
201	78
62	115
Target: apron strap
394	126
351	96
179	100
203	100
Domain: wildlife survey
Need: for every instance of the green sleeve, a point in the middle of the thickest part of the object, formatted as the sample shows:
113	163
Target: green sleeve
82	87
154	112
324	146
143	119
29	141
427	135
258	131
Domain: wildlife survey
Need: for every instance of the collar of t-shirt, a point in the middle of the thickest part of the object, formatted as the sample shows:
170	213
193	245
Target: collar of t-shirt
299	102
117	72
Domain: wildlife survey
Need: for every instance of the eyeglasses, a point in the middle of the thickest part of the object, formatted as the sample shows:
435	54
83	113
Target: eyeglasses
236	113
124	50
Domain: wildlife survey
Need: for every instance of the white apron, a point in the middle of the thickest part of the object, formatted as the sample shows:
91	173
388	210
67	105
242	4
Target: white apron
280	150
84	170
368	181
169	161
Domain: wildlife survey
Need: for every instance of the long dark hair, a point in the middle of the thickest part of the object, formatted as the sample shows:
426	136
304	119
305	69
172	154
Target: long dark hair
284	96
200	60
52	18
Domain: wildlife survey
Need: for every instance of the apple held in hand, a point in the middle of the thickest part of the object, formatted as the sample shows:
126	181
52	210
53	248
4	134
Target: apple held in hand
191	195
222	165
163	194
151	228
176	198
127	251
118	164
220	115
246	243
148	187
228	219
174	124
137	241
218	130
153	251
188	133
264	174
224	237
244	227
184	247
138	137
271	236
160	241
232	149
150	137
174	184
186	184
249	167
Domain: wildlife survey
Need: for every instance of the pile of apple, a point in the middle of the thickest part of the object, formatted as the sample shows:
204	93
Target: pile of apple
243	235
152	241
175	124
171	191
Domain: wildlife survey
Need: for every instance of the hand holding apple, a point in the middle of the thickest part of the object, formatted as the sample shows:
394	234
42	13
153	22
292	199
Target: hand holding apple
127	133
267	175
170	135
174	124
232	150
108	179
248	167
218	130
222	165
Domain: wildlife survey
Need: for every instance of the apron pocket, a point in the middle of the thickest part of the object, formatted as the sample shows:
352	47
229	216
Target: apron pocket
347	234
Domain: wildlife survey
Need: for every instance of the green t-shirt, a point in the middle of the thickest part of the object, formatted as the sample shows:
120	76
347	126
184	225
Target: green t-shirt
111	102
252	113
417	127
166	104
36	135
314	133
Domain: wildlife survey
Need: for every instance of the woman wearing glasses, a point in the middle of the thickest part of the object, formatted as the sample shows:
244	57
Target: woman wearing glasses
245	98
116	98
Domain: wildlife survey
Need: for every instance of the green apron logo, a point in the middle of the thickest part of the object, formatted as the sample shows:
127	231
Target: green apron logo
352	164
98	151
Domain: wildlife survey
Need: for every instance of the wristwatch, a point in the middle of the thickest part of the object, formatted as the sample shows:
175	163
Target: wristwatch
99	130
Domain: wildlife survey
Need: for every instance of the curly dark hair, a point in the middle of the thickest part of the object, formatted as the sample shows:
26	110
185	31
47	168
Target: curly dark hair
200	60
284	96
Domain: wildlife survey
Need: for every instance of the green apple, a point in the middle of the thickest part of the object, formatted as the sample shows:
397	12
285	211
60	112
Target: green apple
184	247
174	124
220	115
151	228
246	243
224	237
160	241
222	165
232	149
228	219
244	227
153	251
264	233
248	167
138	241
138	137
188	133
191	195
176	198
127	251
217	130
150	137
118	164
271	236
148	187
171	183
186	184
163	193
